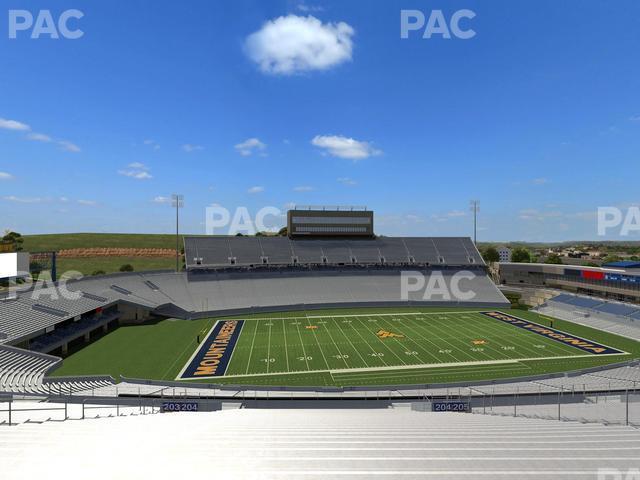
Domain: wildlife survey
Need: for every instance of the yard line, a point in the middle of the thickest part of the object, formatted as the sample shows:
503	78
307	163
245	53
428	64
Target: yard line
269	346
319	347
522	335
417	344
419	328
251	351
437	327
304	352
351	343
369	345
386	346
286	351
337	347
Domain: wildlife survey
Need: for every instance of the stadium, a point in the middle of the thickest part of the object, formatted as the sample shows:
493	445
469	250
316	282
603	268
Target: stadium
326	319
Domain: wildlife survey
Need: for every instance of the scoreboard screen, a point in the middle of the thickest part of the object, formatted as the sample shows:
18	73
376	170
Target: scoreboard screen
346	222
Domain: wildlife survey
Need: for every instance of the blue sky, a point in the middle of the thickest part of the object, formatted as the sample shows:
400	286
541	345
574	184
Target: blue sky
537	115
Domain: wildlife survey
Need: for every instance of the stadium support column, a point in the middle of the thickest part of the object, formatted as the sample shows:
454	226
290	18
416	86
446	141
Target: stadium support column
177	201
475	208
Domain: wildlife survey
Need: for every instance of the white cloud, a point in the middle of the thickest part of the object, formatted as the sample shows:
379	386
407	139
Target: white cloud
256	189
14	125
162	200
68	146
456	213
136	170
303	7
346	181
344	147
192	148
635	118
303	188
292	44
152	143
87	203
6	176
138	166
537	215
540	181
38	137
250	146
12	198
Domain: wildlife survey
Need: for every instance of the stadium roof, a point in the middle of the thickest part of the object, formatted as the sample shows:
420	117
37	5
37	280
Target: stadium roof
623	264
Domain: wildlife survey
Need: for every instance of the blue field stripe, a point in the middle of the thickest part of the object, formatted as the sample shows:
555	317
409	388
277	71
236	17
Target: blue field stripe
214	353
553	334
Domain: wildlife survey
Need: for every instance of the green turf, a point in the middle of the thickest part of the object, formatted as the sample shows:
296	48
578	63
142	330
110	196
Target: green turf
278	349
61	241
89	265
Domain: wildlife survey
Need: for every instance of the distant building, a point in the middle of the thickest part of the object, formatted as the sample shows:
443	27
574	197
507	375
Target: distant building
620	283
505	254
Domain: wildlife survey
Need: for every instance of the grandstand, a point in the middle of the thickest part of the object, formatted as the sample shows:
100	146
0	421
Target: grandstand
323	443
617	317
219	252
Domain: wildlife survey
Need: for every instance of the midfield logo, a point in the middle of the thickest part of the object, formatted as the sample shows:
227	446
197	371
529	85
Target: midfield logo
386	334
479	342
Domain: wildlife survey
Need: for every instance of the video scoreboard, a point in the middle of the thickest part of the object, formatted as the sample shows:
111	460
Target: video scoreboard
316	221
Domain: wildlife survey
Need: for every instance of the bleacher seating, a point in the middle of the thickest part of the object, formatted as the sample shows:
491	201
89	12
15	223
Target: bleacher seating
23	371
350	443
211	252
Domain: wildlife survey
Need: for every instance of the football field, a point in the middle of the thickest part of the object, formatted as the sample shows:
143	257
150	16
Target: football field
376	348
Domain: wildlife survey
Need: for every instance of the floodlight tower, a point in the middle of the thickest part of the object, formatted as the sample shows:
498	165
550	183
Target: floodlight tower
475	208
177	201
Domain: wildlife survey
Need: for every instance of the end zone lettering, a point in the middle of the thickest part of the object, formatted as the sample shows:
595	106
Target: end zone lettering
213	356
552	333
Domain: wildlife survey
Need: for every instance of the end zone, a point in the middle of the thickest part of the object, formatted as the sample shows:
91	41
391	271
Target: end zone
214	353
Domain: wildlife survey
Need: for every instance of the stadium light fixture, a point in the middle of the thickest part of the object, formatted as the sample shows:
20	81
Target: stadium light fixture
475	208
177	201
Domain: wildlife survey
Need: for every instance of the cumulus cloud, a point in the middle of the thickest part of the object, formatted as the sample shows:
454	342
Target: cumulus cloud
12	198
347	181
540	181
152	144
192	148
249	146
303	7
39	137
68	146
14	125
256	189
344	147
6	176
294	44
136	170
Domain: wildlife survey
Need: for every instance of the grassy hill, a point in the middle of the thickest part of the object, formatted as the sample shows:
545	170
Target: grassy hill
89	265
61	241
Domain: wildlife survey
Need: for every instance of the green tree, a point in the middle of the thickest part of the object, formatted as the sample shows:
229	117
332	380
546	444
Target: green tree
127	267
491	255
520	255
554	259
611	258
283	232
14	239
